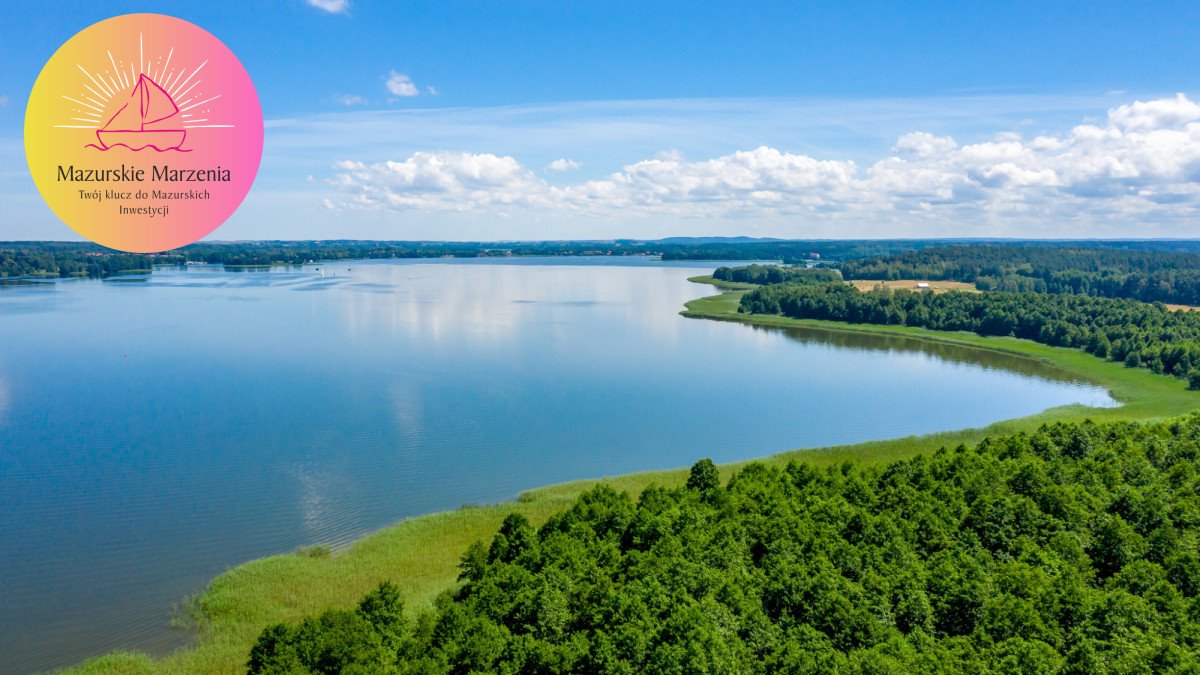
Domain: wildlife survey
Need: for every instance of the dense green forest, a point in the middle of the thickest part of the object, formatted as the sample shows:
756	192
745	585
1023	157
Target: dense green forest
1074	549
69	258
83	259
788	251
62	259
299	252
774	274
1136	333
1146	275
66	259
793	251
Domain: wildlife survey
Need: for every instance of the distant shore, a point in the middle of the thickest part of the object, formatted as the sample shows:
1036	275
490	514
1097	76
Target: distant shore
421	554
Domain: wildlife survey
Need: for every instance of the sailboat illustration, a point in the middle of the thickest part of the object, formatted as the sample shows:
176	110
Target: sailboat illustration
150	119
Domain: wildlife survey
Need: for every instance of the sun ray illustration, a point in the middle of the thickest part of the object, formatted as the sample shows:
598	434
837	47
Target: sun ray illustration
189	77
95	82
163	70
140	106
83	104
185	92
96	94
120	75
202	102
172	84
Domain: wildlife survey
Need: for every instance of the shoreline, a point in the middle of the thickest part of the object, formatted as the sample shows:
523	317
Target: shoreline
421	554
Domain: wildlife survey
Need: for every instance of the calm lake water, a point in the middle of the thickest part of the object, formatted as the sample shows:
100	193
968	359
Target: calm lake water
155	431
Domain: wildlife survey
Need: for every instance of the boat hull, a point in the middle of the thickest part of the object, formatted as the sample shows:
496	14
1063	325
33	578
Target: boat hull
170	139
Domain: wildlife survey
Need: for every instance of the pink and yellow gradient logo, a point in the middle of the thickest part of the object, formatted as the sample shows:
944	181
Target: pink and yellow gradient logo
143	132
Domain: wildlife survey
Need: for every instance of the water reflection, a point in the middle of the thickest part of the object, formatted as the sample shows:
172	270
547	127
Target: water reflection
987	359
25	283
5	401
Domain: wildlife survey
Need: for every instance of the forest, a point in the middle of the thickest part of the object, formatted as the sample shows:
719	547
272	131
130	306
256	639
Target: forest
790	252
1136	333
65	259
1071	549
796	251
774	274
1148	270
1146	275
299	252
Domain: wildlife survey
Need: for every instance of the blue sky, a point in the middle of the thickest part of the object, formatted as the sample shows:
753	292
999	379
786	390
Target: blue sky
489	120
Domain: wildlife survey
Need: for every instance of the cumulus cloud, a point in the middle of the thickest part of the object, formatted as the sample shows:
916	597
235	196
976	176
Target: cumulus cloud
331	6
563	164
455	181
399	84
921	144
1142	161
350	99
1149	115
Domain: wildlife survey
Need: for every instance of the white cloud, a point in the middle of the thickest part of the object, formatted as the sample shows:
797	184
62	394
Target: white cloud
3	101
431	89
1141	164
350	99
922	144
563	164
454	181
399	84
1149	115
331	6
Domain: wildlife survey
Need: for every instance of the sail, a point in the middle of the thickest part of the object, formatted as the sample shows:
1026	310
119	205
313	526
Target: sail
149	108
128	118
157	104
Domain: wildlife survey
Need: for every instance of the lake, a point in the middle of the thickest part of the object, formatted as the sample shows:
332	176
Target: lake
156	430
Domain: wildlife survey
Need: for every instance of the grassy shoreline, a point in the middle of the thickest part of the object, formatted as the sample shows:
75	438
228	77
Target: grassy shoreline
421	554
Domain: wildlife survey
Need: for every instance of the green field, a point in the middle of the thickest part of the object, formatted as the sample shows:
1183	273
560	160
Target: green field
421	555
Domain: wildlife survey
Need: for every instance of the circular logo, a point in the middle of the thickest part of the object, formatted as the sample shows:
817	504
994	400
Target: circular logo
143	133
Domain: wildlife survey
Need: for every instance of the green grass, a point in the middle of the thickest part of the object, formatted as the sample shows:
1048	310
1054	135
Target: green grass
421	555
727	285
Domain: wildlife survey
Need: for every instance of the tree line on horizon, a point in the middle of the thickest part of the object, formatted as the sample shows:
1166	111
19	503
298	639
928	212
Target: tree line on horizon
865	258
67	259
